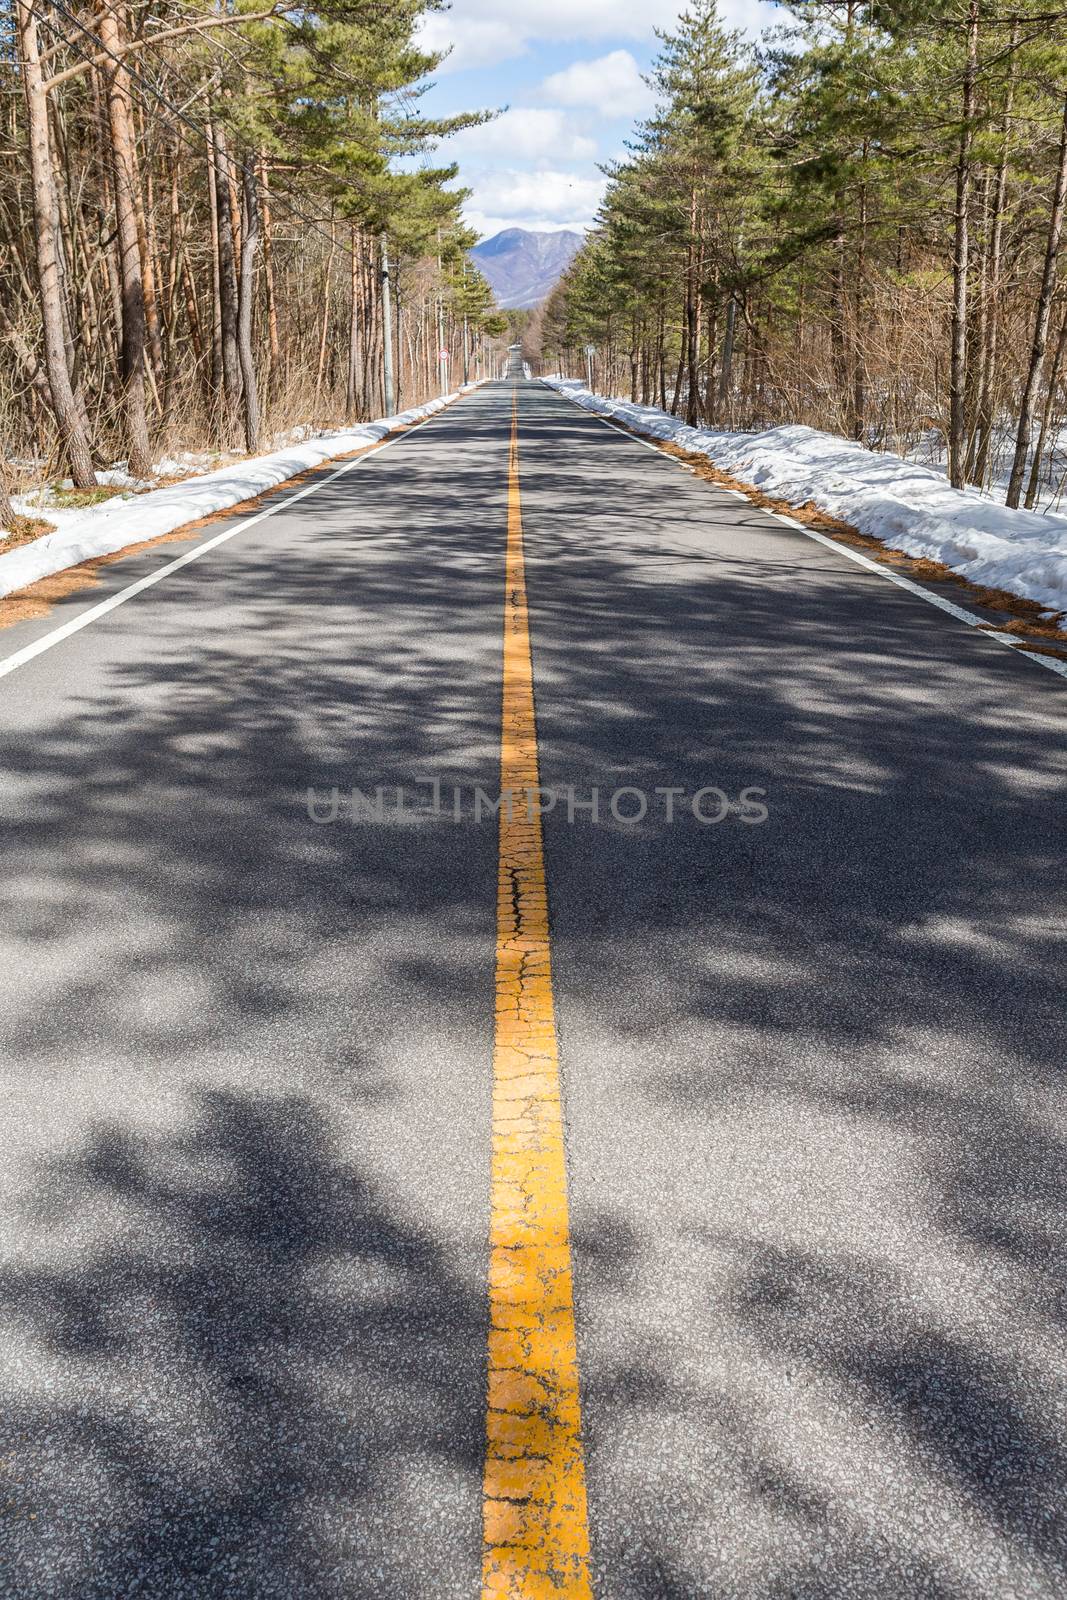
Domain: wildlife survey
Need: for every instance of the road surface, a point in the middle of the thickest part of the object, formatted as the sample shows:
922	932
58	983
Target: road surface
809	1252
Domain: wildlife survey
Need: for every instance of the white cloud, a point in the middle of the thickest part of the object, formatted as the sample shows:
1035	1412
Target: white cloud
484	32
611	85
470	41
486	226
507	198
751	16
525	134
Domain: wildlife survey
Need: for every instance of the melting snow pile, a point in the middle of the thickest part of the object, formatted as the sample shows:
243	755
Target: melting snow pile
911	507
128	518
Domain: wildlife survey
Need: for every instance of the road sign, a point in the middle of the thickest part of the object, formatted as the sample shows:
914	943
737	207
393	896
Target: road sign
590	349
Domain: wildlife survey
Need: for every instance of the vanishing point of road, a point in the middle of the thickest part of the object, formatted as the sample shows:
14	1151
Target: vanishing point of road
532	1014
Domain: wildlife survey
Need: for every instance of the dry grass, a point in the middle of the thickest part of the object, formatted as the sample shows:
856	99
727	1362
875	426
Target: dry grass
82	499
1048	628
1004	600
23	530
1042	650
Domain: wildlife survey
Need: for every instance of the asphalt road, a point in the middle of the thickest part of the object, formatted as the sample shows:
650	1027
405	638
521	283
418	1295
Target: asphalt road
812	1066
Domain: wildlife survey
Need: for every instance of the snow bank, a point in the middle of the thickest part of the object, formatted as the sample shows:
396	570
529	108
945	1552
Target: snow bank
910	506
127	518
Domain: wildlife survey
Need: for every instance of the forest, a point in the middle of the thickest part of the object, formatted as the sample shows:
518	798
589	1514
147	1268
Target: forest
217	222
856	225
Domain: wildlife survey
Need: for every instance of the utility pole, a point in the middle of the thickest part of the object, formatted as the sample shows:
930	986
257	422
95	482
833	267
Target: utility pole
389	391
442	353
466	330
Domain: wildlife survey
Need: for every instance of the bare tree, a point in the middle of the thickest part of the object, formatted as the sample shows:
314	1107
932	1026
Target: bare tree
249	246
957	428
1041	320
126	189
46	253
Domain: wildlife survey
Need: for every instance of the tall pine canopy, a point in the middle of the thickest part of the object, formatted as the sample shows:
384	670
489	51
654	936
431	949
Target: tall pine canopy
855	225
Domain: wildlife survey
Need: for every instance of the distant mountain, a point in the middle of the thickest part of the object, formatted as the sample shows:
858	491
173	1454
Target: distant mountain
523	267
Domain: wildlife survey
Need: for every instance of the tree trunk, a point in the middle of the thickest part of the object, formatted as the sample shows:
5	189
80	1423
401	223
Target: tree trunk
69	421
635	361
236	202
192	310
1041	321
398	349
216	265
145	213
1046	414
175	239
367	307
134	327
957	428
66	235
388	392
324	334
726	370
7	510
859	363
105	232
711	375
679	375
991	358
692	319
268	269
249	246
978	335
838	343
353	326
231	362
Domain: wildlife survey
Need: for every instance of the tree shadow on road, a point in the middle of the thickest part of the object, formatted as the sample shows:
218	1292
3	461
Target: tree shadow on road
825	1335
247	1063
259	1371
250	1363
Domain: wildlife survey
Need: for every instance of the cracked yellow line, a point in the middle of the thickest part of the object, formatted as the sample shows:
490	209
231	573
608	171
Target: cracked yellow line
535	1522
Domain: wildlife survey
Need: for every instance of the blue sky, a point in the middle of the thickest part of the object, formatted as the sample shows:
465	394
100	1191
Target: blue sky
569	72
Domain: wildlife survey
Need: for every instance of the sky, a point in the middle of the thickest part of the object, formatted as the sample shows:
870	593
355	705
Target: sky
569	73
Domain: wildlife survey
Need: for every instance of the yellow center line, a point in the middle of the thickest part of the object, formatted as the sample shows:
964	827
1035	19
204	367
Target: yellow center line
536	1526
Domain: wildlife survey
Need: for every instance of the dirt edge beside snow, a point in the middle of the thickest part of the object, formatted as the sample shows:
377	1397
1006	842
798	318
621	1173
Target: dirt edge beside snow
902	514
108	529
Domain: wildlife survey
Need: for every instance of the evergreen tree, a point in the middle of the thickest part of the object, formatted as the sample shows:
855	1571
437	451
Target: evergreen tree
859	226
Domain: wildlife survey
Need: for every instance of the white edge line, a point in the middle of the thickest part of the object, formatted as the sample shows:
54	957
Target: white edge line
28	652
1052	664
